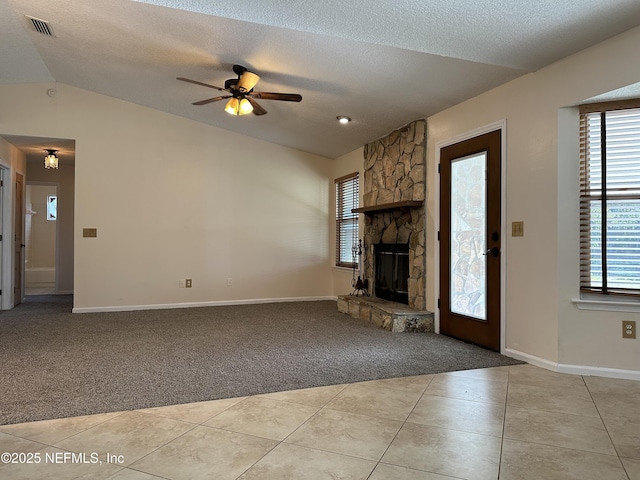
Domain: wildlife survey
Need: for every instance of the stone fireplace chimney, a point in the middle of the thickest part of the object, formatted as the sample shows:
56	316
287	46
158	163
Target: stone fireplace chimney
393	203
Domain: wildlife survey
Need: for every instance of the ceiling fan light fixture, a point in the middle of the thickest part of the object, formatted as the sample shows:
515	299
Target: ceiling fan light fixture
343	119
247	81
232	106
238	106
242	98
245	107
51	160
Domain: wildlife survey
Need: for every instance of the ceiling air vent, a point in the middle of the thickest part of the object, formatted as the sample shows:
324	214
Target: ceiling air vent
41	26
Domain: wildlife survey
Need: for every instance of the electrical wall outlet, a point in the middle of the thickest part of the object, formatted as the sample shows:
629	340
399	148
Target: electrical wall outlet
181	283
229	281
628	329
188	283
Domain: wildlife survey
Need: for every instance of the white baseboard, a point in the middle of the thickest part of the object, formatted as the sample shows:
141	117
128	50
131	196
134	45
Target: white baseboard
599	371
166	306
573	369
533	360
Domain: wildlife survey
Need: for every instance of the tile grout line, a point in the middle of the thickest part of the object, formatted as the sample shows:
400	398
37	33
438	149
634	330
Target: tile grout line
202	424
193	426
319	410
139	471
61	419
401	427
325	407
606	429
66	449
504	423
461	431
280	442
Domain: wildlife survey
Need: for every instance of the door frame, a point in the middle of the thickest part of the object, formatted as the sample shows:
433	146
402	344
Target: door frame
6	275
502	126
18	245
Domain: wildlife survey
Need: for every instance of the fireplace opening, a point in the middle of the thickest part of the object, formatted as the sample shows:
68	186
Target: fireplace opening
392	272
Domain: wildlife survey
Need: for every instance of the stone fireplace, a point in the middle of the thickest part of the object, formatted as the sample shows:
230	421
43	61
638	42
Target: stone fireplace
394	214
393	202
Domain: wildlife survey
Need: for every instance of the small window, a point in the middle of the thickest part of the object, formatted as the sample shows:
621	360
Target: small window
610	198
52	207
347	198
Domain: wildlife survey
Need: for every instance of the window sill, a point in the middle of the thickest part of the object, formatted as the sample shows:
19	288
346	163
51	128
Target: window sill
607	305
345	269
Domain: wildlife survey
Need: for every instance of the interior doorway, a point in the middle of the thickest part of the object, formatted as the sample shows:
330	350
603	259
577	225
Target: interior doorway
41	222
15	216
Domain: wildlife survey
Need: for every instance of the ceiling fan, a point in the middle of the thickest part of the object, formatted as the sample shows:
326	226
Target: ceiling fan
241	95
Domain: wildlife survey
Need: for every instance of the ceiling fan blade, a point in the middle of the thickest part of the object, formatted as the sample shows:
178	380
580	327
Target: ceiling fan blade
211	100
188	80
286	97
257	109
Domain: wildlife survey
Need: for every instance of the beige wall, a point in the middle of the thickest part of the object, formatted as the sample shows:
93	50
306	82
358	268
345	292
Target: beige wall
174	199
40	233
541	190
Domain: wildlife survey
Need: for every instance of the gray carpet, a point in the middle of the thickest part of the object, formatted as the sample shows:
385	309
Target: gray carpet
58	364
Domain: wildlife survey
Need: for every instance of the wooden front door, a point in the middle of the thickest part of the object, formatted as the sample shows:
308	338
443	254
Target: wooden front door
470	231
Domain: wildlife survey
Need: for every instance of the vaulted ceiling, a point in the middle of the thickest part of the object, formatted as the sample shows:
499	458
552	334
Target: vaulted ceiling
383	63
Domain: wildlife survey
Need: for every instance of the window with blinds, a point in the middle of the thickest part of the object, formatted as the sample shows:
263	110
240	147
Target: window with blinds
610	198
347	198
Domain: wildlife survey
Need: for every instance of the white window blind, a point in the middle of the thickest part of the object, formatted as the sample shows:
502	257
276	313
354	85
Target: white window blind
610	199
347	198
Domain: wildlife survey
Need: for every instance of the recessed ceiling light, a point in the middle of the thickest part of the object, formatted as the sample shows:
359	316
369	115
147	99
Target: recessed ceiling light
343	119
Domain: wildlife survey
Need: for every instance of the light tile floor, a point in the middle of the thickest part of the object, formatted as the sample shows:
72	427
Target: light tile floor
507	423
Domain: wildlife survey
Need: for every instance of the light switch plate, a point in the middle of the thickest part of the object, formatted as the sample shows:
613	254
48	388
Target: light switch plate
517	229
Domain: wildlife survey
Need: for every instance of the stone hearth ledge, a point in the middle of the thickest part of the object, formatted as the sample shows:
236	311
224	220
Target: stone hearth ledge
391	316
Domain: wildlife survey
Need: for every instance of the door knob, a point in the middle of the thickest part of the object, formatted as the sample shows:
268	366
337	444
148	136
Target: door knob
494	251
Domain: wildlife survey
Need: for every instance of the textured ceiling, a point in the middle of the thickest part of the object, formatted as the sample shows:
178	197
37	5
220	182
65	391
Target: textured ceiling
520	34
382	63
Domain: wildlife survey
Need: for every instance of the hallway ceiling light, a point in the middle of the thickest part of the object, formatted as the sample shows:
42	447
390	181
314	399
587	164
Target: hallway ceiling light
51	161
343	119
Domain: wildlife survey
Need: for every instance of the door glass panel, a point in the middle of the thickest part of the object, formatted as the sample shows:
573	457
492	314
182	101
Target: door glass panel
468	236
